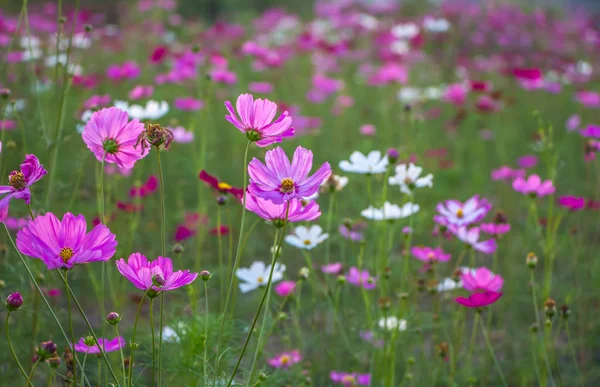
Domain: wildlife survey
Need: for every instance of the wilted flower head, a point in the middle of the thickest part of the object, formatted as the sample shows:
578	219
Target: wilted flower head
279	180
256	120
154	136
19	183
144	274
64	244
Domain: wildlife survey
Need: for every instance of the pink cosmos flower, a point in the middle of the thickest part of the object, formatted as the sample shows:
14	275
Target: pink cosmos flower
572	203
64	244
507	173
360	278
181	135
260	87
428	254
367	130
256	120
588	99
127	70
285	360
573	122
332	268
458	214
481	280
479	300
141	91
146	275
350	379
354	233
275	213
533	186
19	183
285	288
8	124
109	135
158	54
145	189
107	345
280	181
591	131
495	228
96	100
16	223
188	104
455	94
528	161
470	237
487	104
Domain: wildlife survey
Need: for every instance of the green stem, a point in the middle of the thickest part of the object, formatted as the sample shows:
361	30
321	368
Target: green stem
363	291
265	315
535	358
89	326
204	363
472	343
35	366
262	301
132	343
489	345
539	324
83	369
237	254
220	254
573	355
70	312
152	333
163	228
329	221
12	349
102	264
122	356
21	127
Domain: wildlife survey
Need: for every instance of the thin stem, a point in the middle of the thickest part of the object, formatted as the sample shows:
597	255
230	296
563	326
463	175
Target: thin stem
573	355
69	310
329	221
37	286
472	343
132	343
204	363
539	324
83	368
122	356
237	254
262	301
220	253
35	366
487	342
163	228
264	322
152	333
89	326
102	264
535	359
12	349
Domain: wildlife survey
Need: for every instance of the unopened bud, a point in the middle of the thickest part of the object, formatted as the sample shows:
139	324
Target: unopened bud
534	328
385	303
62	20
420	284
304	272
282	316
341	279
411	360
442	349
531	260
158	279
565	311
221	200
550	307
40	277
177	248
387	272
54	362
348	223
2	284
262	376
113	318
90	341
205	275
88	27
392	155
14	301
5	93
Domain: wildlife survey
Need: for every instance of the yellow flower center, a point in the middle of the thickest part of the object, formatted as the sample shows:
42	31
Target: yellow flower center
307	242
260	280
430	255
287	185
459	213
349	379
224	186
66	253
17	180
284	359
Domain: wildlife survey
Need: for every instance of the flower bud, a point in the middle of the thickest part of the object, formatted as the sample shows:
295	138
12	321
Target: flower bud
442	349
40	277
262	376
14	301
303	273
392	155
89	341
205	275
341	279
550	307
408	376
5	93
403	296
158	279
348	223
177	249
2	284
411	360
62	20
385	303
500	217
46	350
565	311
420	284
534	328
113	318
88	28
221	200
54	362
387	273
531	260
282	316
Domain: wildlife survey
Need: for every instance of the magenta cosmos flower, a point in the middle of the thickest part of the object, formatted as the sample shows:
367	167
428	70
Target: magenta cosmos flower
470	237
332	268
109	135
275	213
285	288
279	181
19	183
428	254
285	359
495	228
362	279
350	379
256	120
533	186
479	300
507	173
481	280
64	244
107	345
145	275
453	212
572	203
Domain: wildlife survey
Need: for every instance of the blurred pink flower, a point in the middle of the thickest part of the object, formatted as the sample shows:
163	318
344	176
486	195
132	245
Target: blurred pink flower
495	228
285	359
479	300
188	104
332	268
588	99
260	87
181	135
367	130
507	173
96	101
455	94
481	280
572	203
533	186
141	91
428	254
470	237
285	288
528	161
573	122
128	70
361	279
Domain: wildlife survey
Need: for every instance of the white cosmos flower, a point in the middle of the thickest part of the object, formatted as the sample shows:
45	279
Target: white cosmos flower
405	31
390	211
436	25
409	94
408	178
373	163
306	238
258	275
334	182
400	47
434	92
152	111
448	284
391	323
171	335
85	117
30	41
